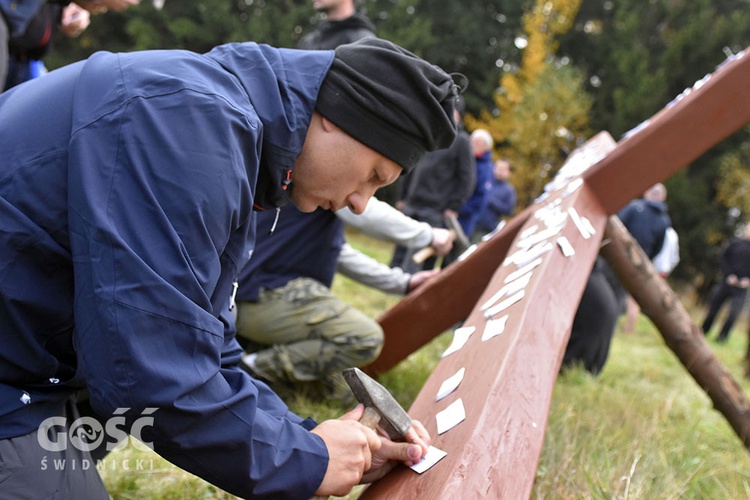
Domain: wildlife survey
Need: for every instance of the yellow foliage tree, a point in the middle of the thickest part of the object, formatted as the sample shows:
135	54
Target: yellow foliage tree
542	108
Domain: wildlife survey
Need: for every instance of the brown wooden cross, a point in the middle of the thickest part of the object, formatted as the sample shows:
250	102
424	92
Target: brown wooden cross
521	282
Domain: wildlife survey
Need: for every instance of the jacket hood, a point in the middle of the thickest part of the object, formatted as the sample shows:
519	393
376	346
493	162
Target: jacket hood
283	86
656	206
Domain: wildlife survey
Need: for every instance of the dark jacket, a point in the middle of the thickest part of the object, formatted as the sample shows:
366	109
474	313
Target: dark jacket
472	208
735	258
125	223
646	220
302	244
443	179
18	14
330	34
501	202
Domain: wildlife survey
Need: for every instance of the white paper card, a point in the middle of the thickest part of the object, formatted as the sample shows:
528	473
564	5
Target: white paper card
451	416
460	336
523	270
492	311
583	228
539	237
432	457
523	257
565	246
587	223
508	289
450	384
494	327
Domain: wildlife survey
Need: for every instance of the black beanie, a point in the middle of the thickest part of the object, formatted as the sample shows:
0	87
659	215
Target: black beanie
390	100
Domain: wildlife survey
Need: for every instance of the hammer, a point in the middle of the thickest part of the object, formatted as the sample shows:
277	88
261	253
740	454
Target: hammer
460	241
381	408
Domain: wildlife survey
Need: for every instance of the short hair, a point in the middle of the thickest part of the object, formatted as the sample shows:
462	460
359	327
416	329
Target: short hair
485	136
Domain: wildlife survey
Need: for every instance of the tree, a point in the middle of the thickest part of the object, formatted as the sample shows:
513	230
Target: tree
637	57
542	107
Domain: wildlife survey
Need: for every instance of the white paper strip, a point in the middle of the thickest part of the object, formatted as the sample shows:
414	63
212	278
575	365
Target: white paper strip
504	304
528	231
565	246
508	289
523	270
460	336
450	384
451	416
494	327
432	457
523	257
582	227
535	238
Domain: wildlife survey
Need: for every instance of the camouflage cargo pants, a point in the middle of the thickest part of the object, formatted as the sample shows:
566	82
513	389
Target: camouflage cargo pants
304	336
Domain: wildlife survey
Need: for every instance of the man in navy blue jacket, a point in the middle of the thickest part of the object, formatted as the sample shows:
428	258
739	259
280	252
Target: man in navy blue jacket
128	187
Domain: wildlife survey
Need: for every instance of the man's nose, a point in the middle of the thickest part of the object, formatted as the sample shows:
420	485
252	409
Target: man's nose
357	201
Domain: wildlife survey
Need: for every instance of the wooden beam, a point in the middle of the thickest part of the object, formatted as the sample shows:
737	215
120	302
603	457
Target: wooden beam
662	146
700	118
657	300
509	378
415	320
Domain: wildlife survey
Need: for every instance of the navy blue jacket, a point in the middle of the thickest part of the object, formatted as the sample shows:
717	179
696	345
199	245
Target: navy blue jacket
472	208
18	14
127	186
646	220
283	255
500	202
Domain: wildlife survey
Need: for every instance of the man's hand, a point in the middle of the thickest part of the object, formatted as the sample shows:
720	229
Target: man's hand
359	455
74	20
450	213
409	453
350	452
442	241
419	278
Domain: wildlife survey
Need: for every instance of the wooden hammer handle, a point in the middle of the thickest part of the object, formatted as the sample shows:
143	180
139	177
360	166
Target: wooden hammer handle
423	254
370	418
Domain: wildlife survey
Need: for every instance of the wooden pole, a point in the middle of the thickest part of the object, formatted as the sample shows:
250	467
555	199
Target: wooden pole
657	300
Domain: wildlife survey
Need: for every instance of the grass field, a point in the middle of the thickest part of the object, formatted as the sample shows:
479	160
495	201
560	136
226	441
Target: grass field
643	429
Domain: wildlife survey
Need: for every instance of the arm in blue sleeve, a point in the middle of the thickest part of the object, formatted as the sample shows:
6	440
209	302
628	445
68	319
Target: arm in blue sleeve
160	221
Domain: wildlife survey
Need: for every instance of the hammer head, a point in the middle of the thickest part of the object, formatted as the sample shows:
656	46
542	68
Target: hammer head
393	418
462	241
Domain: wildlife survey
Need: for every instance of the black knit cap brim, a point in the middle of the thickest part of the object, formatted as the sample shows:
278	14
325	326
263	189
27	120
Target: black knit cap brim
390	100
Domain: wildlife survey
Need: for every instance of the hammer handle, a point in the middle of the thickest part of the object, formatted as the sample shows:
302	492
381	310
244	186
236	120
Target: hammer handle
423	254
370	418
427	252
